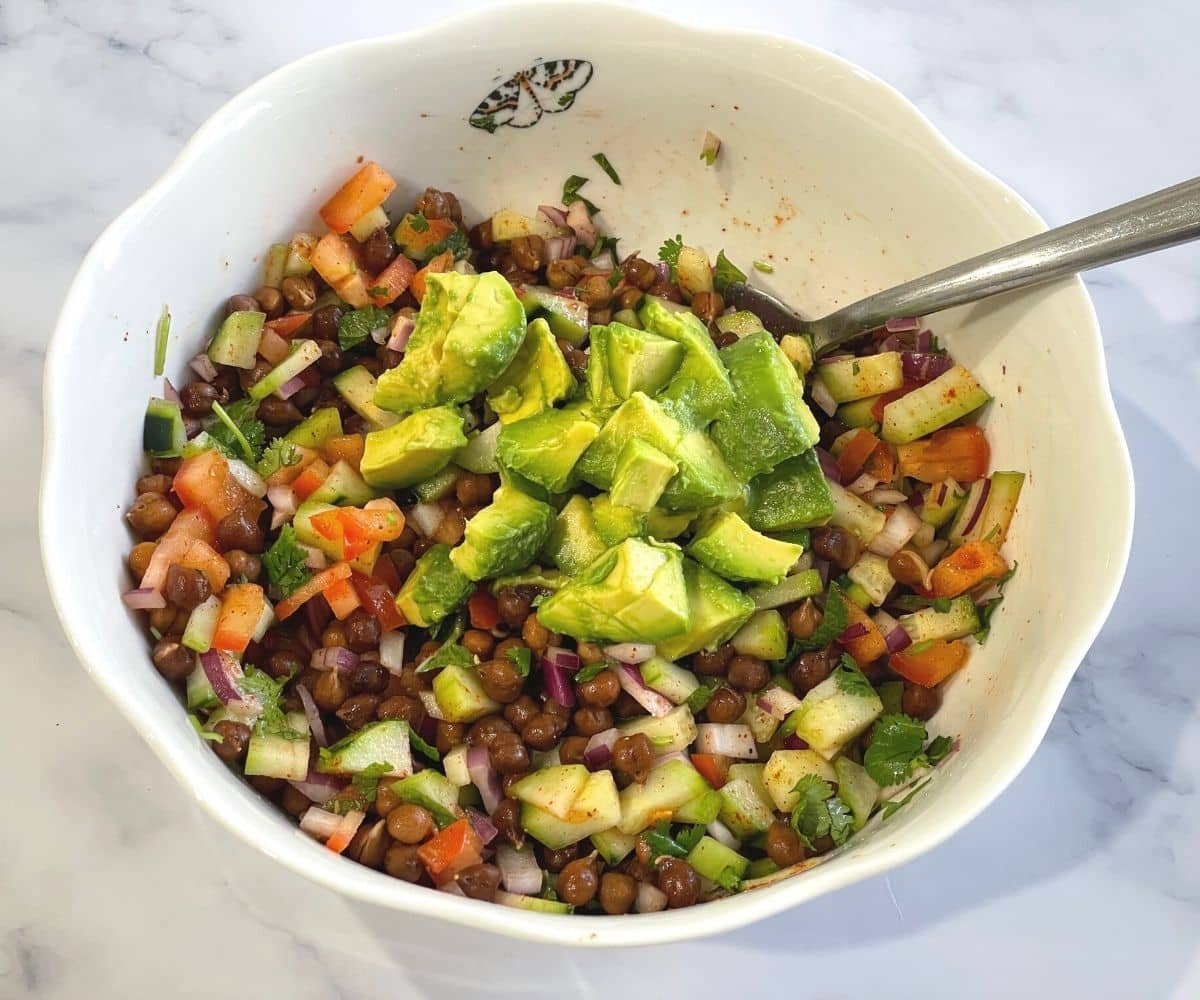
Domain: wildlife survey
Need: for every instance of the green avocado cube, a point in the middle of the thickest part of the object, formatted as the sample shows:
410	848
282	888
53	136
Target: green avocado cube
665	525
640	476
601	393
704	479
615	523
433	589
468	331
731	548
635	592
537	378
638	417
503	537
413	449
715	610
793	495
700	388
770	422
573	543
640	361
546	448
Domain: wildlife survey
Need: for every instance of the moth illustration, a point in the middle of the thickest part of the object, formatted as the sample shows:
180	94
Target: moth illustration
546	87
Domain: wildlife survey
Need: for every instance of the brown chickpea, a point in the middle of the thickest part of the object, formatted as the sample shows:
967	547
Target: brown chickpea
473	489
665	290
483	731
720	339
535	634
151	515
357	710
919	702
409	824
521	711
450	529
249	378
908	568
362	630
600	315
480	235
556	860
435	204
500	680
166	466
334	635
713	663
617	893
163	619
632	755
579	881
242	563
557	710
542	731
330	691
279	412
589	653
299	290
640	273
270	787
748	673
782	845
271	301
449	735
508	755
600	691
378	250
237	530
386	798
589	720
725	705
571	749
295	803
529	252
809	669
428	648
154	483
370	845
479	881
369	677
478	642
838	545
708	305
139	558
629	298
514	605
803	620
404	561
172	660
679	881
185	587
235	738
503	647
506	817
402	708
563	273
242	303
402	862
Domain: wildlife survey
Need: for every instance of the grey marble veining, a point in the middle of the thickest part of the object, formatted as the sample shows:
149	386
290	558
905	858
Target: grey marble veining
1083	878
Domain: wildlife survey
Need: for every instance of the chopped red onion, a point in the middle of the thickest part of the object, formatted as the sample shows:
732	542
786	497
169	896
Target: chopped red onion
222	670
822	568
553	214
653	702
823	397
579	220
391	651
519	870
731	739
603	262
348	827
559	248
794	742
273	347
941	497
778	702
337	658
883	621
143	599
829	466
484	777
903	324
630	652
320	823
897	639
482	826
290	387
283	500
650	898
898	529
884	495
722	834
315	723
863	484
557	682
663	270
598	751
924	368
917	500
319	788
402	328
979	505
426	517
170	393
203	366
192	427
890	344
854	631
924	341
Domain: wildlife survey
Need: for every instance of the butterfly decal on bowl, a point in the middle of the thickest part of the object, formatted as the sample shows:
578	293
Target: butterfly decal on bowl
548	86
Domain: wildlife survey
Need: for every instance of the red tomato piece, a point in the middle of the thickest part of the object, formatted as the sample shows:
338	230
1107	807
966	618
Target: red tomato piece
929	665
242	608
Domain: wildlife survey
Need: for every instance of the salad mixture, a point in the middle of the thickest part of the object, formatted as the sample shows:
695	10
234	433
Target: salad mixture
518	567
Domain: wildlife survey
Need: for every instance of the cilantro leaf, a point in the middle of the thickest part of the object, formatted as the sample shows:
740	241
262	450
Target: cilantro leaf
522	657
939	749
896	742
850	679
456	242
888	808
700	697
725	273
989	608
423	748
729	879
448	654
485	122
607	167
236	432
277	455
810	816
418	223
357	326
366	782
669	252
765	266
661	842
285	562
688	837
272	721
585	673
571	193
841	820
832	624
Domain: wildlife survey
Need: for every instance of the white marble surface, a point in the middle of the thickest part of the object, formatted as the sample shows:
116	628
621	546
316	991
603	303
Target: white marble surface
1083	879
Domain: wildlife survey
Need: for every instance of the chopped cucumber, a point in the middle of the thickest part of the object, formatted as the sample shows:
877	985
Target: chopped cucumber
741	323
849	379
343	486
712	860
552	789
200	693
567	317
274	756
948	397
992	523
962	619
872	574
236	342
765	636
761	722
668	679
304	353
597	808
478	455
855	515
163	433
533	903
454	763
744	810
357	387
368	222
859	413
806	583
431	790
297	264
674	731
857	789
314	430
785	768
703	809
274	264
668	786
438	485
384	742
460	695
829	717
940	502
201	625
613	845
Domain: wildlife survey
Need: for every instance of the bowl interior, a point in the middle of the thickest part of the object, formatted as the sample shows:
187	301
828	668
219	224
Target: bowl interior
824	172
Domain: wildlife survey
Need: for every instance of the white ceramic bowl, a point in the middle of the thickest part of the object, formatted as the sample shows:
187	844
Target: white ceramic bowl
825	171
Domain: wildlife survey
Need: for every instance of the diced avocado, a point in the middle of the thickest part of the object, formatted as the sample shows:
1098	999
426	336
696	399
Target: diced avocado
958	621
713	860
665	525
546	448
872	574
744	810
469	329
700	389
638	417
384	742
533	576
829	717
769	421
1004	488
534	904
438	485
704	479
317	428
940	501
357	387
731	548
613	845
638	360
503	537
667	787
601	393
567	316
460	695
615	523
948	397
702	809
342	486
857	789
668	679
674	731
716	610
553	789
431	790
764	636
163	432
304	353
573	543
641	474
635	592
806	583
236	342
414	449
785	768
848	379
433	589
860	413
855	515
479	454
537	378
597	808
279	755
793	495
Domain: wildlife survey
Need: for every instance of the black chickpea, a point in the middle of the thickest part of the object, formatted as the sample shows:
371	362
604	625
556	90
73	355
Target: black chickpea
409	823
543	730
556	860
679	881
748	673
708	305
479	881
589	720
151	515
478	642
809	669
238	530
173	661
508	755
330	691
713	663
196	398
402	862
919	702
242	303
579	881
357	710
571	750
803	620
186	588
299	291
378	250
271	301
599	691
529	252
235	738
243	564
632	755
838	545
725	705
617	893
782	845
500	680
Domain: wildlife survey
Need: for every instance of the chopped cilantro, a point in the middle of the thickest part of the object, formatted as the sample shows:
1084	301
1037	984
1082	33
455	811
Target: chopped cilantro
571	193
586	673
277	455
451	628
710	148
729	879
765	266
366	782
700	697
850	679
378	291
204	734
988	608
888	808
448	654
607	167
418	223
522	657
161	332
357	326
272	721
896	742
726	273
485	122
832	624
913	602
456	242
669	252
841	820
285	562
660	842
939	748
819	813
237	433
423	748
688	837
855	368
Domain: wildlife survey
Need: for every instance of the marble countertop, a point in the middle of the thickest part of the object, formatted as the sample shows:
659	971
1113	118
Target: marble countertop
1082	879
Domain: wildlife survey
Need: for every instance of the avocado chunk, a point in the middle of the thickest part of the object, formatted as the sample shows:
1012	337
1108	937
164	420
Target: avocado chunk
703	480
433	589
635	592
769	422
414	449
731	548
628	361
715	609
503	537
600	389
537	378
574	543
615	523
638	417
546	448
469	329
793	495
700	389
640	476
665	525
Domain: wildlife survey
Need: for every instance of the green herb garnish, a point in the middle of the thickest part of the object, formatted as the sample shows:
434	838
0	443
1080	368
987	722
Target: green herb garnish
819	813
423	748
729	879
832	624
522	657
204	734
285	562
669	252
726	273
357	326
236	432
366	782
607	167
850	679
448	654
591	670
896	743
888	808
456	242
989	607
701	696
418	223
279	454
765	266
485	122
571	193
272	721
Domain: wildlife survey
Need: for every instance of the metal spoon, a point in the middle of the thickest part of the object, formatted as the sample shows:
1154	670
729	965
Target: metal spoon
1153	222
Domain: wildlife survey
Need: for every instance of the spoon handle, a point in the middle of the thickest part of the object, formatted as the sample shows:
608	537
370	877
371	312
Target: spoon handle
1146	224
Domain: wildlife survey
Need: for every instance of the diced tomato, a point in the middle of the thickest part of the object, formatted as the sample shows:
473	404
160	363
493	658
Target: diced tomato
193	522
385	571
441	263
378	599
966	568
204	481
273	347
888	397
929	664
882	463
357	530
202	556
960	453
333	259
483	609
855	453
167	552
342	599
392	281
866	646
451	850
315	585
288	326
287	474
340	839
305	484
367	189
241	610
713	767
416	235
